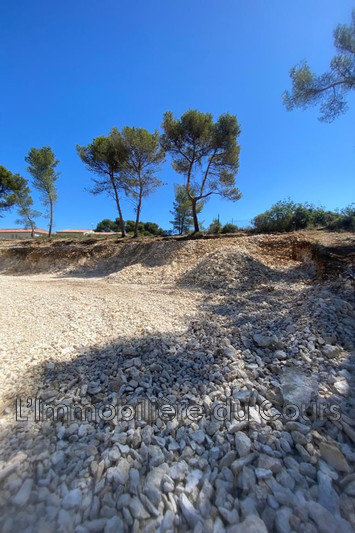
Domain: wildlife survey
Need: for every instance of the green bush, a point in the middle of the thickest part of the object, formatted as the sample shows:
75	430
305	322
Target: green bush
288	216
343	221
107	225
229	228
277	219
144	228
215	226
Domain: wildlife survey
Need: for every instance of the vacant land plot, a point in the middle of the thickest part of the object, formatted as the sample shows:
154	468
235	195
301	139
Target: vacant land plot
161	405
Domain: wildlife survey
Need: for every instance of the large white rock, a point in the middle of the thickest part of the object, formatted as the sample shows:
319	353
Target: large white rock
297	387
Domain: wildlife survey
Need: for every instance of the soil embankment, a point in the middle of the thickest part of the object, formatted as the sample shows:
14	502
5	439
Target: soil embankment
167	260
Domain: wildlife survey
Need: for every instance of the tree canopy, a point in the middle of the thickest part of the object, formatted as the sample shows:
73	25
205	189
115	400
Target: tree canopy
24	203
126	162
105	157
42	167
229	228
144	228
327	89
206	153
10	185
107	225
143	156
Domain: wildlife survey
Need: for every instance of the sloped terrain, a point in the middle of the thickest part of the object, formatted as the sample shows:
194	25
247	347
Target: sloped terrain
224	333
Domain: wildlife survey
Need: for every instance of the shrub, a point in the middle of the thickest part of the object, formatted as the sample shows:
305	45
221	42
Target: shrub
215	226
229	228
288	216
343	221
277	219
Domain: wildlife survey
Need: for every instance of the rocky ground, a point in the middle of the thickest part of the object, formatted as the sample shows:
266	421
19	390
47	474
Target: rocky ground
183	374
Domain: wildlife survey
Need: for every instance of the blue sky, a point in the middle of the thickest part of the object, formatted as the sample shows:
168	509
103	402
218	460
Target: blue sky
72	70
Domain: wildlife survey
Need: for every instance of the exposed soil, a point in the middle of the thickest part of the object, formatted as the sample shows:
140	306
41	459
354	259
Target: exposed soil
252	319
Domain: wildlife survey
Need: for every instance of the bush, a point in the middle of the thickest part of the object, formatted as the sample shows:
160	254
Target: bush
107	225
343	221
229	228
277	219
288	216
215	226
144	228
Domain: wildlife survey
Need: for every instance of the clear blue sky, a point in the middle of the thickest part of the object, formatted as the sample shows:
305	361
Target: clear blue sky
73	69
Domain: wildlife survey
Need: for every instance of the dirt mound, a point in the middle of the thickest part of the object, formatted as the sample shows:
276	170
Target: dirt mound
162	262
228	269
213	263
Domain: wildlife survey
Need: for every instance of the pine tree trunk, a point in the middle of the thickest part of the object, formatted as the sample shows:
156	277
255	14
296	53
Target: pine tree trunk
181	225
123	231
138	214
50	218
194	214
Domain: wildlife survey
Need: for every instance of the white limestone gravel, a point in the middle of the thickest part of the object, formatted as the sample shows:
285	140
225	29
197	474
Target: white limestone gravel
216	327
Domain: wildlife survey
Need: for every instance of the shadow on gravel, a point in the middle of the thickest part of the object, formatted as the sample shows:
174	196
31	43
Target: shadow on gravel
117	475
79	470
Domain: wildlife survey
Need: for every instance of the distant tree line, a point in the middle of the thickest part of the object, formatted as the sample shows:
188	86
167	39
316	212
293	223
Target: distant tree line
150	229
287	216
216	227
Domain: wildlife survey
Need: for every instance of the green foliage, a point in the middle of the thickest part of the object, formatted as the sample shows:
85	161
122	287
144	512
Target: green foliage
125	162
142	162
283	216
144	228
41	165
215	226
24	202
130	226
182	211
287	216
153	229
10	185
329	88
229	228
343	221
148	229
14	191
107	225
206	153
106	157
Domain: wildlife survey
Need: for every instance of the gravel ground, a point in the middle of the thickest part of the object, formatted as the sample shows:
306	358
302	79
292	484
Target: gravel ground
232	333
46	318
